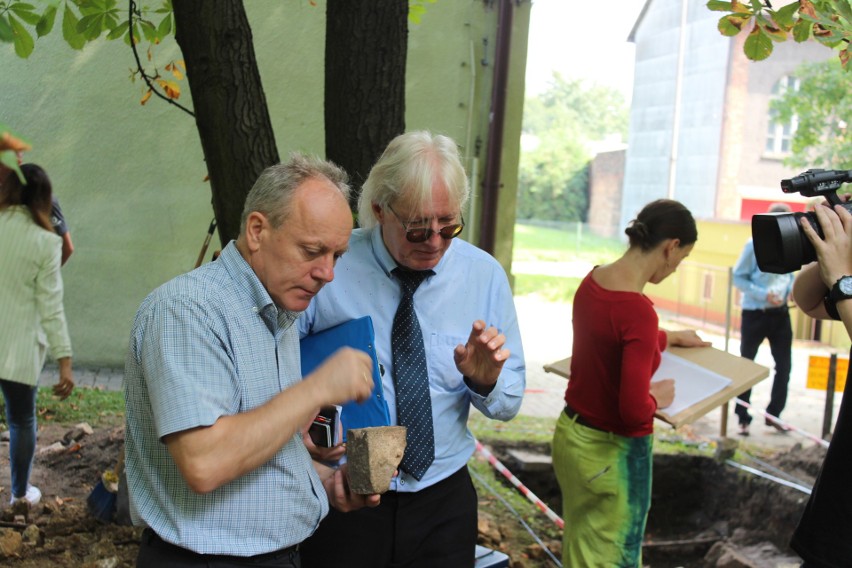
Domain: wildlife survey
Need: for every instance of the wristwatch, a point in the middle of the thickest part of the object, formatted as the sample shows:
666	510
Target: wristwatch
842	289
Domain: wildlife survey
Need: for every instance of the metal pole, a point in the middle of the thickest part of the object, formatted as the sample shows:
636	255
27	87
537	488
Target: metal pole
829	397
728	301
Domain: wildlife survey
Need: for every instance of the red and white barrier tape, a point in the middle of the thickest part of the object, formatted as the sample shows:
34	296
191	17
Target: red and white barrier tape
786	425
495	463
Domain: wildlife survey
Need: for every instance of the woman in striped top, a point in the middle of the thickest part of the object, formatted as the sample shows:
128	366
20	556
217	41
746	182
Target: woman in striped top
32	316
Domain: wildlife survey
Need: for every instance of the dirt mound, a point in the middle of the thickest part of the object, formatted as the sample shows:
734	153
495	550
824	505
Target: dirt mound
60	531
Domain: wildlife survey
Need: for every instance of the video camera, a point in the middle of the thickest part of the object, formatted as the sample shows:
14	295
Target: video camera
780	244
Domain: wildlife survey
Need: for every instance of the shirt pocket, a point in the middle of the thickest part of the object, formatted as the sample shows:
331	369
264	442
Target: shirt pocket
443	373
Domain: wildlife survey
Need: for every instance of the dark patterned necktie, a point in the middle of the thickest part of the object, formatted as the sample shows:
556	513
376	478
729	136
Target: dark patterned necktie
413	401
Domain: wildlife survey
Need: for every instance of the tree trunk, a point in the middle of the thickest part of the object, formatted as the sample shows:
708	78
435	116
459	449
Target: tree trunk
230	106
365	53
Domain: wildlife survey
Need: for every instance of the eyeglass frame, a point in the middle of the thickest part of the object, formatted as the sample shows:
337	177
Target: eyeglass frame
457	228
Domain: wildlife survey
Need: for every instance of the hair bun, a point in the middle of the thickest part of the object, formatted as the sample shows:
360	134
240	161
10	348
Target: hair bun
637	231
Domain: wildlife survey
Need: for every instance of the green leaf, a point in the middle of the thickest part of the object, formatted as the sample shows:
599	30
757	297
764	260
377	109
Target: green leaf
770	30
26	12
45	24
6	33
148	30
786	16
9	159
844	8
757	46
24	43
69	30
731	25
719	6
165	27
802	30
118	30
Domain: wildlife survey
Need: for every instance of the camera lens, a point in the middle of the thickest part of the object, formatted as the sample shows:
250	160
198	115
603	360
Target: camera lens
780	243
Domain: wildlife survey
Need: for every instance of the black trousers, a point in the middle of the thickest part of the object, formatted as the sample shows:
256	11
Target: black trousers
436	526
774	325
154	552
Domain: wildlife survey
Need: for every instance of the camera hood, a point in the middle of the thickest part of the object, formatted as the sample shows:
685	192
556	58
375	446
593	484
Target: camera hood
780	245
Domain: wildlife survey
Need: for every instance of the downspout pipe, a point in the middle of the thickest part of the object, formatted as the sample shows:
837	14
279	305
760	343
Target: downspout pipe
491	177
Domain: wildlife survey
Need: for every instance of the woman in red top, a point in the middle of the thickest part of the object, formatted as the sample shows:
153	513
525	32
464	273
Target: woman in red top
602	446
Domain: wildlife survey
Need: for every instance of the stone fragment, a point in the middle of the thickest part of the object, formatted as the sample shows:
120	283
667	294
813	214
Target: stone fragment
77	433
725	449
10	543
372	455
32	535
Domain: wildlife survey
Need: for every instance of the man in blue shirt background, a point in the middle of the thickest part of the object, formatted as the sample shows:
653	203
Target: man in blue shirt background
410	212
765	316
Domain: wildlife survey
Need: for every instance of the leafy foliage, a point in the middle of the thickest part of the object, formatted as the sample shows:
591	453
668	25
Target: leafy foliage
823	108
84	21
827	21
564	121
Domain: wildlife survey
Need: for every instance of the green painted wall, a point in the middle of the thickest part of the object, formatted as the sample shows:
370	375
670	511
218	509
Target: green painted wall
130	177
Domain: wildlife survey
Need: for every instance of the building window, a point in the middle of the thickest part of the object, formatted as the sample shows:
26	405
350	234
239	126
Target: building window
780	135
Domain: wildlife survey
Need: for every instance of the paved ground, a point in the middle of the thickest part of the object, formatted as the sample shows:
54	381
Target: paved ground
546	332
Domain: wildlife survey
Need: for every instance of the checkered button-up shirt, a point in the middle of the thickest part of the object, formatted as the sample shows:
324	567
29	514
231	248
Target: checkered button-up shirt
208	344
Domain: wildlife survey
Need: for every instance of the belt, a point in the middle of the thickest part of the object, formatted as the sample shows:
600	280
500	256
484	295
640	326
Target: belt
778	309
571	413
151	538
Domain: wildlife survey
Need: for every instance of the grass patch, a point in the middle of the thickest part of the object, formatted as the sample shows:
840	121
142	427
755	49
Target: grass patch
520	429
563	244
551	288
98	407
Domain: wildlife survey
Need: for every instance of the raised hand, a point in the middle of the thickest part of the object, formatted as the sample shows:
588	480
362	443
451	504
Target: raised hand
481	359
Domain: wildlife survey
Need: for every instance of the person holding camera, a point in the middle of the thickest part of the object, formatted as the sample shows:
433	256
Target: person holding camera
765	315
823	290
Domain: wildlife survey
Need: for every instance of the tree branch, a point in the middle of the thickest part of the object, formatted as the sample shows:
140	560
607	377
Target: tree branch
132	10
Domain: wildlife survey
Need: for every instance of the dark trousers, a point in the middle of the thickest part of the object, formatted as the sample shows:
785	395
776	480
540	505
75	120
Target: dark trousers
774	325
436	526
154	552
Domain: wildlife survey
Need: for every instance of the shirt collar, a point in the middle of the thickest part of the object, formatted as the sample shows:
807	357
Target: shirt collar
262	302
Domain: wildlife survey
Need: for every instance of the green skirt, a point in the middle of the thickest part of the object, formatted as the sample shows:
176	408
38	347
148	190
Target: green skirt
605	481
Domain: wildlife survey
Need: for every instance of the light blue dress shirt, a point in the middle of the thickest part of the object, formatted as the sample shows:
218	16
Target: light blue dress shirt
755	284
468	284
207	344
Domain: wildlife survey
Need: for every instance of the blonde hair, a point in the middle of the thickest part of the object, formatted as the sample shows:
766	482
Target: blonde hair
407	169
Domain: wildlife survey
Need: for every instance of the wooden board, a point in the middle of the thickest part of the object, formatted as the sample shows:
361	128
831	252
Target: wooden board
743	374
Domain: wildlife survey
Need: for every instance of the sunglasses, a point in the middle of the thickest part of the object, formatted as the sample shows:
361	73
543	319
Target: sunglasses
423	234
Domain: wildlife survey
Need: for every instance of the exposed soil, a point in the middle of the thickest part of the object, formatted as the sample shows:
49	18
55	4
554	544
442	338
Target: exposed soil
705	513
702	509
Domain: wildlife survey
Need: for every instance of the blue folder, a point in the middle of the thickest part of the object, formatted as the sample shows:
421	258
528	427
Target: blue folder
356	333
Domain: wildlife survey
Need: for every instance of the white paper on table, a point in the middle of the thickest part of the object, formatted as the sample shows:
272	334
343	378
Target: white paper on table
693	383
